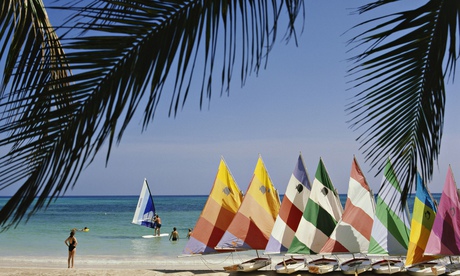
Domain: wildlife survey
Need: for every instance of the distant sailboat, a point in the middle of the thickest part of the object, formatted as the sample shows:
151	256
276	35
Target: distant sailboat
294	201
320	216
422	221
444	238
391	228
251	227
223	202
145	210
353	232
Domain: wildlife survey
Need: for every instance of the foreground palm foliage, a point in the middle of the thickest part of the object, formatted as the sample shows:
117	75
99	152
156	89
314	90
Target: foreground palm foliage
63	96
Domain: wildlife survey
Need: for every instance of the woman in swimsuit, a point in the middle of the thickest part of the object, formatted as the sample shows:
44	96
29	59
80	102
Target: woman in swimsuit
71	242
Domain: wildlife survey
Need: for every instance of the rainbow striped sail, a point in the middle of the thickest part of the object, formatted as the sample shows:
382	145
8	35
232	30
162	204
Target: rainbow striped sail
391	228
320	216
444	239
294	201
353	232
223	202
422	222
253	223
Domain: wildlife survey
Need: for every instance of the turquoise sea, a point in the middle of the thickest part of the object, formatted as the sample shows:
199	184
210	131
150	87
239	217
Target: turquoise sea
112	237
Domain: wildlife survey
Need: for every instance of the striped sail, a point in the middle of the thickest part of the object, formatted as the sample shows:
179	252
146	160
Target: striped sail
391	228
145	209
253	223
353	232
220	208
321	214
294	201
445	234
422	221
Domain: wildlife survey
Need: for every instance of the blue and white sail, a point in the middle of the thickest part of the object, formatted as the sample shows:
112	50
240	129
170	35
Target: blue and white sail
145	210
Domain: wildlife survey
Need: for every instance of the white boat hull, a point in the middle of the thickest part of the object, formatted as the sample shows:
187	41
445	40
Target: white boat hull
453	269
356	266
290	265
427	269
248	266
388	266
322	266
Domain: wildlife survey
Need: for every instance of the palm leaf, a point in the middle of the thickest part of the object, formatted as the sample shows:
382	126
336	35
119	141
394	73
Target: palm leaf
120	54
400	79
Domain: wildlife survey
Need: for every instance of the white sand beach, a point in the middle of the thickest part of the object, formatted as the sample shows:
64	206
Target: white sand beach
85	266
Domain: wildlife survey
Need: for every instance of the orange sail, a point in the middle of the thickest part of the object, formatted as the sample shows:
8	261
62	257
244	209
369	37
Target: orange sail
253	223
223	202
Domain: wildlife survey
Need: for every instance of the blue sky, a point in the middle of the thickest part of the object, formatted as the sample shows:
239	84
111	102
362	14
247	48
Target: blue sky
296	105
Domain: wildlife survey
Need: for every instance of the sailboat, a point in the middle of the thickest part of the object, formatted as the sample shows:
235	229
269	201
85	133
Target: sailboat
353	232
391	228
251	227
221	206
444	238
322	212
423	217
294	201
145	210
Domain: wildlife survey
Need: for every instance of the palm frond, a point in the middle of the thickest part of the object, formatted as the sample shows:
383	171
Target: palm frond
400	79
120	53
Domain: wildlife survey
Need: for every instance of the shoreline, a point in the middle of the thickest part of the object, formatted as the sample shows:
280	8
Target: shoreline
210	265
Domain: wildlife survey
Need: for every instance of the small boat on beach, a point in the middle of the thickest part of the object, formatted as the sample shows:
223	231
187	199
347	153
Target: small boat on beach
356	266
424	213
323	265
290	265
221	206
294	201
444	237
388	266
353	231
322	212
427	269
251	226
320	216
391	228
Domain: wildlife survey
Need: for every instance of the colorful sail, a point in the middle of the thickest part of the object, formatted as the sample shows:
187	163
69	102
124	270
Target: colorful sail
320	216
391	228
294	201
223	202
353	232
445	235
145	209
422	221
253	223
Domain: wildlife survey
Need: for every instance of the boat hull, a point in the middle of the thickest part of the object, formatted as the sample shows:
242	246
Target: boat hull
322	266
427	269
388	266
356	266
248	266
290	265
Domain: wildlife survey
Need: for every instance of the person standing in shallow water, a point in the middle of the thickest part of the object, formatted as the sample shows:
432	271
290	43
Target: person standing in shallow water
174	235
157	221
71	242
